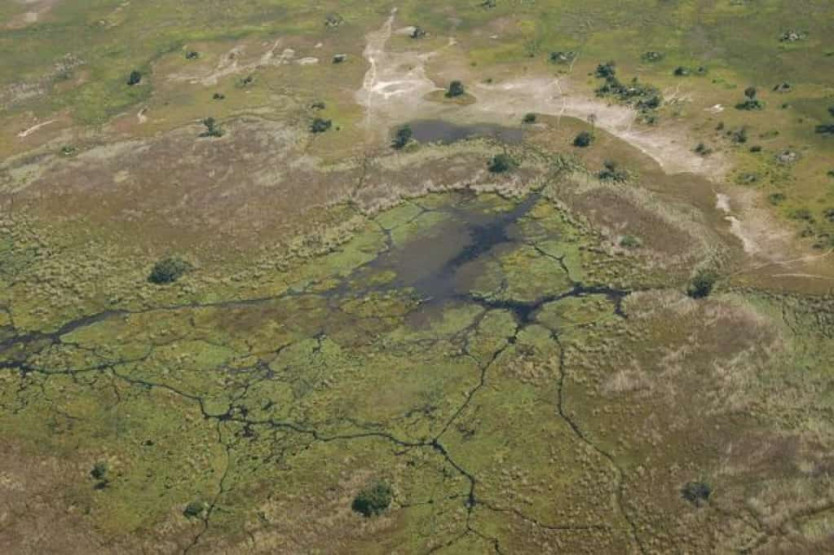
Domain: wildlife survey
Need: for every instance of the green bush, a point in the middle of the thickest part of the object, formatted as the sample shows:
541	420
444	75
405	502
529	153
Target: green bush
702	284
373	500
529	118
168	270
583	139
402	137
99	471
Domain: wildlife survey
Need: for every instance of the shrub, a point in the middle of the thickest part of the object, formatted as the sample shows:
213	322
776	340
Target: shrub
750	104
702	149
803	214
134	78
192	55
630	242
418	32
681	71
825	129
829	214
652	56
168	270
776	198
194	509
702	284
739	135
402	137
611	171
455	89
501	163
606	70
320	125
99	471
373	499
529	118
583	139
218	96
696	493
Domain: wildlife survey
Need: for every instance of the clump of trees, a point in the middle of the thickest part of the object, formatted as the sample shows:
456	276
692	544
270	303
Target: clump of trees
562	57
169	270
645	98
696	493
455	89
402	137
213	129
825	129
134	78
373	499
702	284
501	163
583	139
320	125
611	171
751	102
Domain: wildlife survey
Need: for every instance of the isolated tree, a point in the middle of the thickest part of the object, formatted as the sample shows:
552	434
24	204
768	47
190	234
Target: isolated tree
702	284
168	270
373	500
583	139
212	128
320	125
455	89
696	493
750	102
194	509
134	78
501	163
402	137
529	118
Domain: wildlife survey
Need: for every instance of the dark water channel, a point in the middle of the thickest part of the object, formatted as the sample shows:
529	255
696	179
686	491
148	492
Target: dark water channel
444	262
